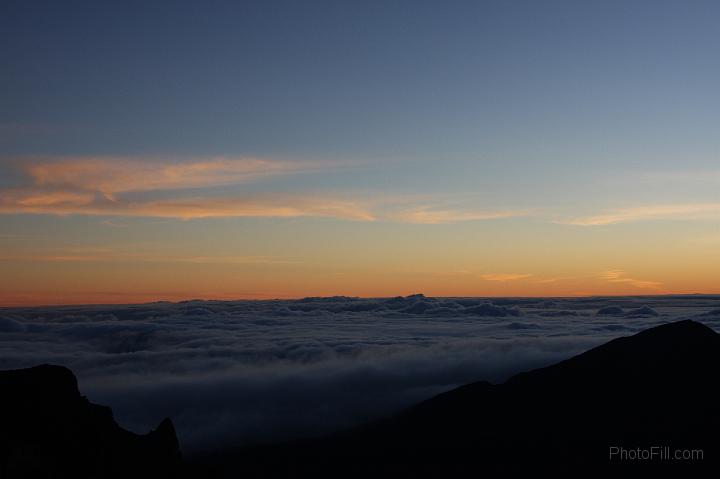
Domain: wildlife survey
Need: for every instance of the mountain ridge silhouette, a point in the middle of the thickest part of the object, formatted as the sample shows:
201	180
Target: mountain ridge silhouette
657	388
49	430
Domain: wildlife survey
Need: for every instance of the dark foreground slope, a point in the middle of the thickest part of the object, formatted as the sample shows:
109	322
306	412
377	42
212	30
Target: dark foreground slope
656	391
48	430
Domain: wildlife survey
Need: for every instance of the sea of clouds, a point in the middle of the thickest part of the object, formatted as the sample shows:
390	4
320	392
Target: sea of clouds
242	372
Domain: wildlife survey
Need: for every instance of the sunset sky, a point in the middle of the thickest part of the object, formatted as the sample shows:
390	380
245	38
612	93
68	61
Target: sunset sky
223	149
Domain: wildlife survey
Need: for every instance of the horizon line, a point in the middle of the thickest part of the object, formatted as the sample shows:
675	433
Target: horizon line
298	298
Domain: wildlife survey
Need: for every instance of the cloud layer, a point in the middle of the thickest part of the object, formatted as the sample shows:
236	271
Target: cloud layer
249	371
199	189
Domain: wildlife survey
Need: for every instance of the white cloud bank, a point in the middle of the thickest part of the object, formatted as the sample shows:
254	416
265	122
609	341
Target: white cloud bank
247	371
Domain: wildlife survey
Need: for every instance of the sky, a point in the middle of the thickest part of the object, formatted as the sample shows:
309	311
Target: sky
172	150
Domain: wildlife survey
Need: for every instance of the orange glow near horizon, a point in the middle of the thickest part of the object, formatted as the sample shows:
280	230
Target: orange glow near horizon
68	281
119	230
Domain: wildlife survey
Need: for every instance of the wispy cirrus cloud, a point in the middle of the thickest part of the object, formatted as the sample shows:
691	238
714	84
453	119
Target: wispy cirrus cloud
133	187
36	198
681	211
619	276
105	187
432	215
279	206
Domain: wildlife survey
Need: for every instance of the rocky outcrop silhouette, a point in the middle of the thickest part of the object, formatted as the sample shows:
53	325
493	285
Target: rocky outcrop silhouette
49	430
657	391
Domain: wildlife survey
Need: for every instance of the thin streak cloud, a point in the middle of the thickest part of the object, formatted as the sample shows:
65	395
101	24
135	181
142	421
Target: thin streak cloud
33	201
430	215
285	206
619	276
691	211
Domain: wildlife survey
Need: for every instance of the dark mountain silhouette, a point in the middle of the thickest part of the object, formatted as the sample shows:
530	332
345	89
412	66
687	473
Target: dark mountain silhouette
656	389
48	430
